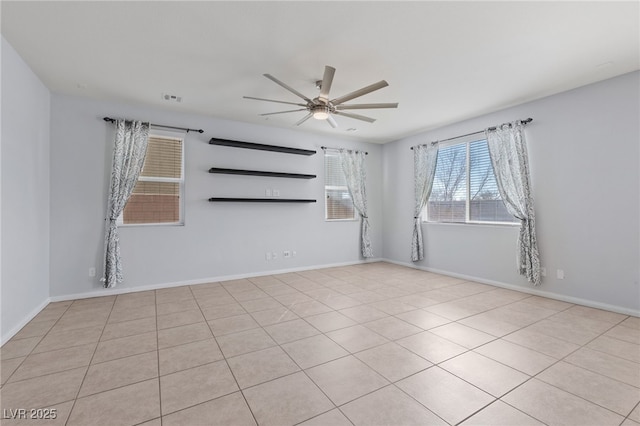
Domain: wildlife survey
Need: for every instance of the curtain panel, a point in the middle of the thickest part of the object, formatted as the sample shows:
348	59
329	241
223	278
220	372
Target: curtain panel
129	152
508	152
355	172
425	158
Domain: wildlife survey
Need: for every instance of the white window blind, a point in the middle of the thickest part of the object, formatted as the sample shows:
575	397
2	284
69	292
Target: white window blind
464	186
157	197
164	158
338	203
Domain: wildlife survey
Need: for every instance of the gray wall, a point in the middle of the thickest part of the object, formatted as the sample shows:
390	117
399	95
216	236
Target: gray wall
25	193
218	239
584	157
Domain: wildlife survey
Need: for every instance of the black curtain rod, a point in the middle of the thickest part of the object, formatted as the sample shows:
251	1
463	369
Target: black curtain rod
525	121
113	120
338	149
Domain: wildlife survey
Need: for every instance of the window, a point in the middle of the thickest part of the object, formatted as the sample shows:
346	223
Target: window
157	197
464	186
338	203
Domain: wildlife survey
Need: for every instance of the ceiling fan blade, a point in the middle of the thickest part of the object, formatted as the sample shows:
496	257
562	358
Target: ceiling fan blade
332	121
371	88
308	116
367	106
271	100
282	112
356	116
291	89
327	79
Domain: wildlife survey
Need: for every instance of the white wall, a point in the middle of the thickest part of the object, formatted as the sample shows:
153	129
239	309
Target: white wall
25	193
584	157
218	239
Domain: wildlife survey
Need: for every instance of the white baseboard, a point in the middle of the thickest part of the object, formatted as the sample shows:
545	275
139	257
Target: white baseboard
528	290
6	337
123	290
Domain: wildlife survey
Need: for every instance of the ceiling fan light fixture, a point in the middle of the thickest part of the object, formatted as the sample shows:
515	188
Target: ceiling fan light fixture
320	112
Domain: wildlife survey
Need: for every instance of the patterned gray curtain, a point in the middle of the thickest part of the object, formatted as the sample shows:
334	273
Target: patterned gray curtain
355	172
425	158
128	158
508	152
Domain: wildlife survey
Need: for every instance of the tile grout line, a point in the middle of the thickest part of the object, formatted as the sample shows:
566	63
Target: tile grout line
349	353
499	338
587	369
311	380
455	356
35	346
531	377
628	415
155	294
290	374
225	360
89	365
279	345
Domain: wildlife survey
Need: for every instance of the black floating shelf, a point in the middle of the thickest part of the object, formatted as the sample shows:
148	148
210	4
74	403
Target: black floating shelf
261	147
259	173
260	200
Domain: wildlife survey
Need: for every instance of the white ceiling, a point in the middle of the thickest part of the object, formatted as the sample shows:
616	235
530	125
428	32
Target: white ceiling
444	61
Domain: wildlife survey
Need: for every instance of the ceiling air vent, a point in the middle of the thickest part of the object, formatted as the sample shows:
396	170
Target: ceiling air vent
171	98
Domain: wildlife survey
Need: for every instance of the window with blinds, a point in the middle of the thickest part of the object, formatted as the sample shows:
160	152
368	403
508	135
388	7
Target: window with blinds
157	197
464	186
338	203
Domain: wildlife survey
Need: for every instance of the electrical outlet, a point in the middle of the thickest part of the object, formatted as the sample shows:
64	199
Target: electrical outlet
276	192
92	272
294	253
267	192
560	274
267	255
286	254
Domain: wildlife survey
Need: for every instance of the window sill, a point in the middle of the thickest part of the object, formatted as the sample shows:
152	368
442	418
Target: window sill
483	224
134	225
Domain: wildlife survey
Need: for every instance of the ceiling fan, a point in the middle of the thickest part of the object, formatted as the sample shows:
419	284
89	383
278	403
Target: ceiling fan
323	108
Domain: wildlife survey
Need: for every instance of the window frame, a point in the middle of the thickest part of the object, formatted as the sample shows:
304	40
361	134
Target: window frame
336	187
467	141
172	134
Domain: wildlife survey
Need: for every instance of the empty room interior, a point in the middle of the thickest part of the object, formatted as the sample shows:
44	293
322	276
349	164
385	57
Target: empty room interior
320	213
